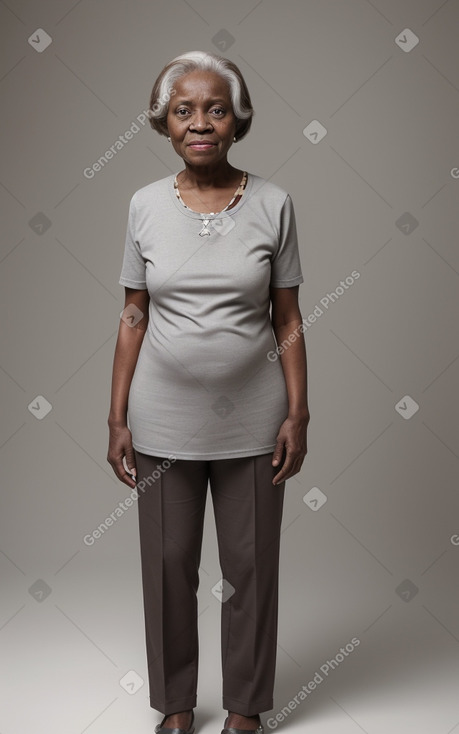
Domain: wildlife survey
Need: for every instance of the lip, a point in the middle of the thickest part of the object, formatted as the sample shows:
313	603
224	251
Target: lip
201	144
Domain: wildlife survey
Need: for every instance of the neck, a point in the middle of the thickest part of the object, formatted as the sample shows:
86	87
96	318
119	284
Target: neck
204	177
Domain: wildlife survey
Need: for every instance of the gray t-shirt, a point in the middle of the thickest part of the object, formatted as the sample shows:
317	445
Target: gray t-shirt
204	386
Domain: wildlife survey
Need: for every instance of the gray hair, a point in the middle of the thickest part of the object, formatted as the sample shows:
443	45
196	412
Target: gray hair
163	88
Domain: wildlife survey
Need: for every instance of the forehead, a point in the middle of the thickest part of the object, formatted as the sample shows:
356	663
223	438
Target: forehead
201	85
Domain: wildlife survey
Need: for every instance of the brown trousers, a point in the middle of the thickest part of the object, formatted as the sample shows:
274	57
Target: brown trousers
248	514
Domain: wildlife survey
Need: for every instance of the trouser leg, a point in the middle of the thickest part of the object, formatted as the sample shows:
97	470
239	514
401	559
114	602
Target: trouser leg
171	511
248	513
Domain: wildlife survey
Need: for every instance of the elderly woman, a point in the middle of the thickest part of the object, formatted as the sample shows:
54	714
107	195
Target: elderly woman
202	392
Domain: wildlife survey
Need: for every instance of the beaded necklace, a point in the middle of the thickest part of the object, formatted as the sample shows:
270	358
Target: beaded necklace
205	218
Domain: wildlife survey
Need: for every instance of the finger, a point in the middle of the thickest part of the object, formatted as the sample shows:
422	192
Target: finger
289	471
277	453
122	474
295	468
127	479
287	466
129	461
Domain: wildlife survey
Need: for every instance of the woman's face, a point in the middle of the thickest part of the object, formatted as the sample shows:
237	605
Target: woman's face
201	110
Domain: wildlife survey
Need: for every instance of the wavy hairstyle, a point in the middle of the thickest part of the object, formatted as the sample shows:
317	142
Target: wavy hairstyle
163	88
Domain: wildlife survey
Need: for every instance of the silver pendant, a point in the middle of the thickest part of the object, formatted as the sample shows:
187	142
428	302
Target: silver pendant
204	229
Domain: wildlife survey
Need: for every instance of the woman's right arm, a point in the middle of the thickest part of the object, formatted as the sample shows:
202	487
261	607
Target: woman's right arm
127	350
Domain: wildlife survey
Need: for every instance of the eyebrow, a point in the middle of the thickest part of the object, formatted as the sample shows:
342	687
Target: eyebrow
188	101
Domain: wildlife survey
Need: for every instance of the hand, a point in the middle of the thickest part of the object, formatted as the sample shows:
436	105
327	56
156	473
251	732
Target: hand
120	445
292	438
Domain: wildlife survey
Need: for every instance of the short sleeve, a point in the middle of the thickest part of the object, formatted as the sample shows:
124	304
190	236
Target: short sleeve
285	264
134	266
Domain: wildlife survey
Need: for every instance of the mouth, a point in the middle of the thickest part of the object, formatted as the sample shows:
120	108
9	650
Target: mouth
201	146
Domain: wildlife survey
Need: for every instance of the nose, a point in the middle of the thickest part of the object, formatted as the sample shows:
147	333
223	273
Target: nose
200	121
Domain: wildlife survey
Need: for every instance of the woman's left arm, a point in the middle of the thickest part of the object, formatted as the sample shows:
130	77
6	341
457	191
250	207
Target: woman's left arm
287	321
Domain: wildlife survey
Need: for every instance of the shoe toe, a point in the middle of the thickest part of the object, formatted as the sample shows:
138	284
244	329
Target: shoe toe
233	730
160	729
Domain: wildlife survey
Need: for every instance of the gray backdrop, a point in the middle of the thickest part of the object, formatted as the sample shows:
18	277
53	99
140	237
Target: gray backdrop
357	108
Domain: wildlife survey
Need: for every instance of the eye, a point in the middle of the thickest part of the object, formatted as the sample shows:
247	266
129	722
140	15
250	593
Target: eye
218	110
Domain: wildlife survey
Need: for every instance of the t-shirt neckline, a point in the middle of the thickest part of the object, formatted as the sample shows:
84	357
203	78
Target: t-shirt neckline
219	215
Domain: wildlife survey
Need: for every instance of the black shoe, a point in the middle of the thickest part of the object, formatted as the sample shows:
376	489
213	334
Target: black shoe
160	729
232	730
